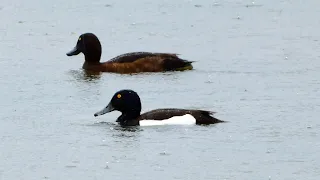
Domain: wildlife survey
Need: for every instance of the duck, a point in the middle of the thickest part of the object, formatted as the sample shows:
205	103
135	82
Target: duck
128	63
128	103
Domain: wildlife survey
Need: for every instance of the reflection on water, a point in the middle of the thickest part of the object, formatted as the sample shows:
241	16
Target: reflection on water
85	75
121	134
116	127
128	129
102	123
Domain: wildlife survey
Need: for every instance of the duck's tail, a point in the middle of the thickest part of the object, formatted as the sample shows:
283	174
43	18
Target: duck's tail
208	118
177	64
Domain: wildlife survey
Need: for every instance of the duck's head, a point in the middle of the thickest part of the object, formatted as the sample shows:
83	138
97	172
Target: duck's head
89	45
126	101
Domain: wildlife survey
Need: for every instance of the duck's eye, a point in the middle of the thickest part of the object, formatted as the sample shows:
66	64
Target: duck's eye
118	96
79	39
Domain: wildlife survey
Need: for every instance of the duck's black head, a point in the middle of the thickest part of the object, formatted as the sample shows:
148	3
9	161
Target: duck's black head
89	45
126	101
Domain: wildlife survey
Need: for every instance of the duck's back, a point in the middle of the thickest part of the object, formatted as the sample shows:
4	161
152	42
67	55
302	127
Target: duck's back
200	116
134	56
150	62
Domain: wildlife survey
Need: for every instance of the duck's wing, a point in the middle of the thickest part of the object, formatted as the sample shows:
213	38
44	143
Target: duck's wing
134	56
153	61
201	116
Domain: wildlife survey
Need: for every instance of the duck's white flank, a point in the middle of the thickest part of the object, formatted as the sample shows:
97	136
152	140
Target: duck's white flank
175	120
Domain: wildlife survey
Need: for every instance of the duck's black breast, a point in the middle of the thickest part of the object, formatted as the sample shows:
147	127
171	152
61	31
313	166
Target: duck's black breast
201	116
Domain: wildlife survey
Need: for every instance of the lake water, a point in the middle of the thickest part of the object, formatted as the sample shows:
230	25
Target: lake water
257	67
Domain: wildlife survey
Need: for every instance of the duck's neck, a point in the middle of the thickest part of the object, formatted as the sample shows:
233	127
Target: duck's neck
89	64
129	119
92	57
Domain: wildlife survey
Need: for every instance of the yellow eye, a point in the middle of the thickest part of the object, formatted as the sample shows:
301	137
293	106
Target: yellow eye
119	96
79	39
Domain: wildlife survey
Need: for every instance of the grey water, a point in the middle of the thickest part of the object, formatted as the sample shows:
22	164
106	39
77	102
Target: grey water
257	65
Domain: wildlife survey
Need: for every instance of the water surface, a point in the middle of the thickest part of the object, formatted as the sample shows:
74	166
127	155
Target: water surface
257	67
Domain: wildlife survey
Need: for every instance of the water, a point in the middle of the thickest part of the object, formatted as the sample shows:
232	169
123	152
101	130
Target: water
257	67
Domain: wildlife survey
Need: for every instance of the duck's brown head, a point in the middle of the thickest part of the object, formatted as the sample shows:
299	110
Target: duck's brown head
90	46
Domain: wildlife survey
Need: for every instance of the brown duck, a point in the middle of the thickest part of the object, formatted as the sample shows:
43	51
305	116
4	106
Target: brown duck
135	62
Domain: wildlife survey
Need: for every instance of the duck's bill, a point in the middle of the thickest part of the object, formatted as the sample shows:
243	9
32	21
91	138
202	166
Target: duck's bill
74	51
105	110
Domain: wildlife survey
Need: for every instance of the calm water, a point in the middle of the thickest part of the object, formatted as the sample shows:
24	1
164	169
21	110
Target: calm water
257	67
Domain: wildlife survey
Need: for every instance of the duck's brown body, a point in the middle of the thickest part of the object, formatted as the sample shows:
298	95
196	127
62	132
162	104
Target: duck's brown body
135	62
140	62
